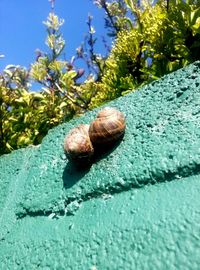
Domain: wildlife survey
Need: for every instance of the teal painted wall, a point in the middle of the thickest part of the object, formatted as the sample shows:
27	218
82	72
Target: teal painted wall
136	207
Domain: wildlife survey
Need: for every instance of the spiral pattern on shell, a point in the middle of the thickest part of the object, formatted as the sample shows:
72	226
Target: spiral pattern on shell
77	144
108	127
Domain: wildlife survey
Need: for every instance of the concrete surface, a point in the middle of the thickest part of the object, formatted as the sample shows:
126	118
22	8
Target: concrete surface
136	207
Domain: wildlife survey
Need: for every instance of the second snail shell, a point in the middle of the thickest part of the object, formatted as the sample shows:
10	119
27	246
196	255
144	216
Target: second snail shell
108	127
77	144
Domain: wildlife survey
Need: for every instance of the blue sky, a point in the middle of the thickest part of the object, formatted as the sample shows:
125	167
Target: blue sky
22	30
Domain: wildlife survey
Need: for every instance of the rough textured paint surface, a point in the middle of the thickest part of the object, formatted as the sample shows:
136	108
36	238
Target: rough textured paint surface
136	207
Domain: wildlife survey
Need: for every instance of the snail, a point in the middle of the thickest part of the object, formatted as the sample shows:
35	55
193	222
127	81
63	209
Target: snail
108	127
77	144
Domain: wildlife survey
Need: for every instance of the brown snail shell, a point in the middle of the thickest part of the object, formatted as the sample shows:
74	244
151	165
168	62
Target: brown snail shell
77	144
108	127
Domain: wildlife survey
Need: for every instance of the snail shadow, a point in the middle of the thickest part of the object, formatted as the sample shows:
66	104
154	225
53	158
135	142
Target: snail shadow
74	171
103	152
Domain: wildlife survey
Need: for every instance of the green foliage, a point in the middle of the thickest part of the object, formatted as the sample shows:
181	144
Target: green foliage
26	116
159	41
115	15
